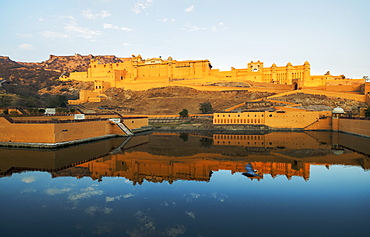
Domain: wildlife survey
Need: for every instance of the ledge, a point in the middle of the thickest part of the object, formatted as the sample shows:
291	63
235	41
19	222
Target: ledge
55	145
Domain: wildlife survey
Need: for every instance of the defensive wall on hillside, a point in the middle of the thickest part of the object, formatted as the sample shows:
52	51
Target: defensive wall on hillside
136	73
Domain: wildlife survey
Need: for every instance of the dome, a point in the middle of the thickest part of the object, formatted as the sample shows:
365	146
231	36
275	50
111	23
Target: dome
338	110
289	64
337	152
306	63
273	65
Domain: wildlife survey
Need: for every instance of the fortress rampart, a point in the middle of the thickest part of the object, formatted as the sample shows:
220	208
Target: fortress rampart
136	73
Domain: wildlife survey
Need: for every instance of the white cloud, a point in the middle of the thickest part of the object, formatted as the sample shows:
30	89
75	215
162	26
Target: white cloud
27	36
141	5
167	20
88	14
190	9
110	26
126	44
25	47
219	27
66	16
82	32
55	191
52	34
190	28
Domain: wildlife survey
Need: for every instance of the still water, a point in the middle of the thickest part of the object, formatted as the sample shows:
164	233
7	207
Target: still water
163	184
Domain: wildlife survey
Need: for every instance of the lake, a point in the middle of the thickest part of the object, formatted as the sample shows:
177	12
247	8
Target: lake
190	184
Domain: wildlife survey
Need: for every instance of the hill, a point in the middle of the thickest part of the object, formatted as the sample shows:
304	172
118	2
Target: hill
37	85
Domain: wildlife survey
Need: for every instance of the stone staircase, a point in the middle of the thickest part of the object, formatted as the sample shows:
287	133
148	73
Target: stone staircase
125	129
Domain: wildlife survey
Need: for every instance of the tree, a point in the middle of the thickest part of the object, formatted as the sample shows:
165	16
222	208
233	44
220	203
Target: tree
184	136
367	112
205	107
57	101
184	113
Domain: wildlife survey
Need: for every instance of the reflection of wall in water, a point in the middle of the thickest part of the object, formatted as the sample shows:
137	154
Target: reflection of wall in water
287	169
154	168
281	140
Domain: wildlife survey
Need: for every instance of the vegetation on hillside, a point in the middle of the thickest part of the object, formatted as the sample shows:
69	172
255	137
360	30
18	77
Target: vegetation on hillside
206	107
23	83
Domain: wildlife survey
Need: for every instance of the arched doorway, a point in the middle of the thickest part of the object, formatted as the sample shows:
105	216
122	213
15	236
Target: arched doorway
295	86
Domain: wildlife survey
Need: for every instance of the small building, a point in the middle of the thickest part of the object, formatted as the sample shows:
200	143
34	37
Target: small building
285	118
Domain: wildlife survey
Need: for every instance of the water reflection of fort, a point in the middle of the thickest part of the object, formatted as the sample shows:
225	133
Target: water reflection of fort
170	157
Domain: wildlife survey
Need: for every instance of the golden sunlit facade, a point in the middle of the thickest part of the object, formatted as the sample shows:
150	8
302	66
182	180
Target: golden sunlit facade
136	73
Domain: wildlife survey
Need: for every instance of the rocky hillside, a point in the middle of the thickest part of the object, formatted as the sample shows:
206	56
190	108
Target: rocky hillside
22	83
67	64
36	84
170	100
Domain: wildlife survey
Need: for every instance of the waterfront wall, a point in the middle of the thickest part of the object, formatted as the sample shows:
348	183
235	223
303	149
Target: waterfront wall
354	126
75	131
34	130
54	132
12	132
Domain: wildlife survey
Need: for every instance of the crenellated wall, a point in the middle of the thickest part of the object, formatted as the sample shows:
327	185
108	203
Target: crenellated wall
136	73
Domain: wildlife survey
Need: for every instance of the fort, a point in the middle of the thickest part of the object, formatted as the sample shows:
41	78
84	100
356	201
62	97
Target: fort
136	73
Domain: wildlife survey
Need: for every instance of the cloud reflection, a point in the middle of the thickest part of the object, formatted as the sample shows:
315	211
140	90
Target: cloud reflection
189	197
85	193
146	225
93	210
175	231
219	196
116	198
190	214
55	191
28	180
28	190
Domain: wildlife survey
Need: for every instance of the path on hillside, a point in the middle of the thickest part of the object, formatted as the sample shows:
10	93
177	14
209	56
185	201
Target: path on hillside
343	95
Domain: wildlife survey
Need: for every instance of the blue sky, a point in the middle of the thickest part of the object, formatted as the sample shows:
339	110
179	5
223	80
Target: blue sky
332	35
